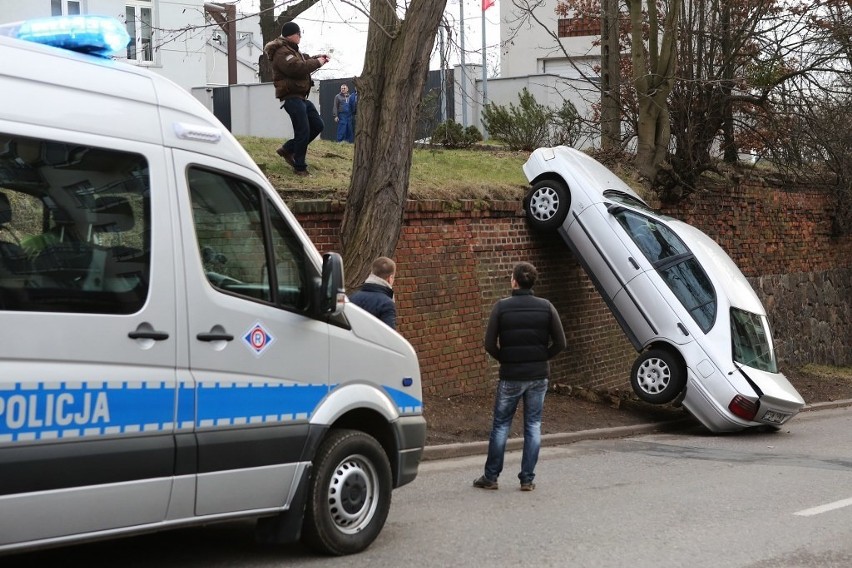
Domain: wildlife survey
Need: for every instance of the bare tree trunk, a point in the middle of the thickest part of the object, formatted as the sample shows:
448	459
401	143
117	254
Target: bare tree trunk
389	93
653	77
610	78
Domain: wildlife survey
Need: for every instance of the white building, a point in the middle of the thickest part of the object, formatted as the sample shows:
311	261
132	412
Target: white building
544	44
175	38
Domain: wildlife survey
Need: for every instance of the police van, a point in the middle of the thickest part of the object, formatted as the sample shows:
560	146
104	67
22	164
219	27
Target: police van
173	349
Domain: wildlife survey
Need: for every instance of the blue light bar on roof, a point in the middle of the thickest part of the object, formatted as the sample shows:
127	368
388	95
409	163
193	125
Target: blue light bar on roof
95	35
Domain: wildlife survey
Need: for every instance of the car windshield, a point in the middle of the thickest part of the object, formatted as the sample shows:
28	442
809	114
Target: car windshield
752	341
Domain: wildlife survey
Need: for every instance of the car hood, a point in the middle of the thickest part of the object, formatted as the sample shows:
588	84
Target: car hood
774	386
579	170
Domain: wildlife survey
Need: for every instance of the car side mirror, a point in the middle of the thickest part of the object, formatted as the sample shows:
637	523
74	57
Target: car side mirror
332	295
614	209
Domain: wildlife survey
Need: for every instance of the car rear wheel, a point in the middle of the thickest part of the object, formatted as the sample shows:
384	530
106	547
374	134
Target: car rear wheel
657	376
350	494
547	205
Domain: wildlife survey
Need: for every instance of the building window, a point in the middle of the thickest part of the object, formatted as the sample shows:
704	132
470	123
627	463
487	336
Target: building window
575	27
64	7
140	26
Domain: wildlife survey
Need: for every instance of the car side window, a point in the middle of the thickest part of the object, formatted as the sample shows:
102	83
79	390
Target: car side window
74	227
675	264
246	247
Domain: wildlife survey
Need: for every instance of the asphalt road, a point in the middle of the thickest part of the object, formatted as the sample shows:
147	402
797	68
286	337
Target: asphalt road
674	499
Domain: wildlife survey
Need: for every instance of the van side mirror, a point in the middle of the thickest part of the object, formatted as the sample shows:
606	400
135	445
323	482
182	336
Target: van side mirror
332	292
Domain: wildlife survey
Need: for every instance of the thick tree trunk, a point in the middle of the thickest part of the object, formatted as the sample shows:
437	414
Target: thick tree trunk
653	77
389	93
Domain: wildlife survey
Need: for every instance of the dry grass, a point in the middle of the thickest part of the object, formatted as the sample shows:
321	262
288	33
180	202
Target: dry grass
435	173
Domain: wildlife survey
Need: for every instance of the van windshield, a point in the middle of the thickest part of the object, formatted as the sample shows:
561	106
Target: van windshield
752	341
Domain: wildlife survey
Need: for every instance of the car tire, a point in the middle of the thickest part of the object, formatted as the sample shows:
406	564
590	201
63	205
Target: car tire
547	205
349	496
657	376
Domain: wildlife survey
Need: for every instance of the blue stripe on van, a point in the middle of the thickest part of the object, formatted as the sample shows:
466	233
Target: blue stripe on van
68	410
225	404
406	403
74	410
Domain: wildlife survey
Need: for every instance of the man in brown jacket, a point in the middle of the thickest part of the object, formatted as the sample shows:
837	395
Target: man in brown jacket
291	75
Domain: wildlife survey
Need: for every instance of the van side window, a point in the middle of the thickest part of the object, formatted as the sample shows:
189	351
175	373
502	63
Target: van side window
246	247
74	227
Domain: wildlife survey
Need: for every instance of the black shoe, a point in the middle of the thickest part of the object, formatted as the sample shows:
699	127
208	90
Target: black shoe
485	483
528	486
288	156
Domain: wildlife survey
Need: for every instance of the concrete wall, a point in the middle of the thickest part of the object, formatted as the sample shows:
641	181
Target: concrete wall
454	261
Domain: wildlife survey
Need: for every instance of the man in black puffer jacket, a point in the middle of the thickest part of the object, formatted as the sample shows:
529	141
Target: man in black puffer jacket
523	334
376	294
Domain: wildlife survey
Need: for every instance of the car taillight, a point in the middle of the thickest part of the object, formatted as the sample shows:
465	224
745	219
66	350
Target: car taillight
743	407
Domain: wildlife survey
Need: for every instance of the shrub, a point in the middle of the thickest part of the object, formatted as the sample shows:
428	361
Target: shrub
451	134
531	125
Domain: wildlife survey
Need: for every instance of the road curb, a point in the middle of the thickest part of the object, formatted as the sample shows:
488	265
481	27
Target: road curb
448	451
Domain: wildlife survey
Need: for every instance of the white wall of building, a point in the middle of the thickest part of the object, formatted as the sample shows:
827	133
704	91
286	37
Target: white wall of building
184	50
527	47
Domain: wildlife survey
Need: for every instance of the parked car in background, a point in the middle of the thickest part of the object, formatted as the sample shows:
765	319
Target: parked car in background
702	334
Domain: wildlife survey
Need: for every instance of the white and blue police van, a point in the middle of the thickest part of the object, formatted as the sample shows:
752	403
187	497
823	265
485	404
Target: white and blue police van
174	350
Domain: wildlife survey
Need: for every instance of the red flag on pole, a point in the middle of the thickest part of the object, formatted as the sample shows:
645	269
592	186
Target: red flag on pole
487	4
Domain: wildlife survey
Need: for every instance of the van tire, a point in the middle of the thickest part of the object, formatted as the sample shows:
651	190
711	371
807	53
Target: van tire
657	376
349	496
547	204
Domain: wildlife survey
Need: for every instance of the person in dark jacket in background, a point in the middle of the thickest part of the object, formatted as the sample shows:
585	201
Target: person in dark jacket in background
376	294
291	75
523	334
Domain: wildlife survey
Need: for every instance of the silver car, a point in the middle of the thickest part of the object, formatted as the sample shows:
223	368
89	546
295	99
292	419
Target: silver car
701	332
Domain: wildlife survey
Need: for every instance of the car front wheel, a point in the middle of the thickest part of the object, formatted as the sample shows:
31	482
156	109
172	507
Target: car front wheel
657	376
350	494
547	205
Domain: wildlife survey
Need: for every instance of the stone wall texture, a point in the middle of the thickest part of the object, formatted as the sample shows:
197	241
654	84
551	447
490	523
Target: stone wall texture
454	261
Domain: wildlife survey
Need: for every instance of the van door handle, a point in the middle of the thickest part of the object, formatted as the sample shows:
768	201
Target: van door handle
683	329
633	262
212	336
152	334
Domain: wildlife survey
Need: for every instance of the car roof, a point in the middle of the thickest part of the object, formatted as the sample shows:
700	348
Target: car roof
722	270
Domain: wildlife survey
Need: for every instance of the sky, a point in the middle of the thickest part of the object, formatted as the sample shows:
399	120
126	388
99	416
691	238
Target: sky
339	30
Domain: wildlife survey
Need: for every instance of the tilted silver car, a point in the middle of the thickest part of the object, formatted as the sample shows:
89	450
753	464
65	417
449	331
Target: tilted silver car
701	331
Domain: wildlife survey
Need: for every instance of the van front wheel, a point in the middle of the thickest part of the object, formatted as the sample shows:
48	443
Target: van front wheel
350	494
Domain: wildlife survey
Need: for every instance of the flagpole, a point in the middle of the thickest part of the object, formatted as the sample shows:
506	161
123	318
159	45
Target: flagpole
485	6
463	72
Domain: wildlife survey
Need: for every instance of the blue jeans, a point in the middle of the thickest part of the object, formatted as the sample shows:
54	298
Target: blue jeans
307	125
509	393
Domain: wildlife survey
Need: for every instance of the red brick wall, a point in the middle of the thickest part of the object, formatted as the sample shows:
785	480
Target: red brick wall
455	260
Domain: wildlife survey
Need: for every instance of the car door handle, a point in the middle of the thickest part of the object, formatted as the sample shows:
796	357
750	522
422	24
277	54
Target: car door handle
212	336
683	329
152	334
633	262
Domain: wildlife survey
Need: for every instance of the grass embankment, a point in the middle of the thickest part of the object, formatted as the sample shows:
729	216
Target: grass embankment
435	173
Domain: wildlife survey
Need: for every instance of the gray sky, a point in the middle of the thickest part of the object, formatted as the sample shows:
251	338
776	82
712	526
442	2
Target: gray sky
340	31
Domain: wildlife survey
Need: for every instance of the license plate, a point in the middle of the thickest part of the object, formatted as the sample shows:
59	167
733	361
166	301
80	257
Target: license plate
775	417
